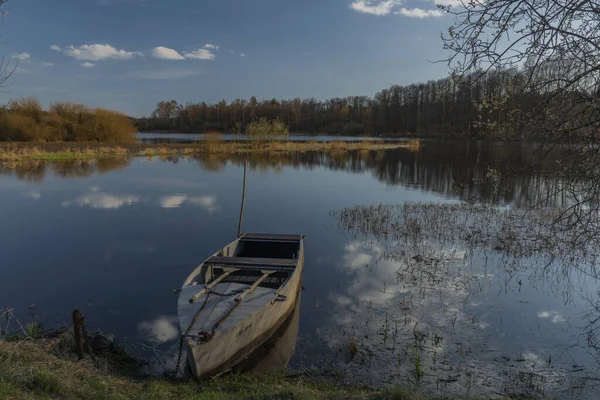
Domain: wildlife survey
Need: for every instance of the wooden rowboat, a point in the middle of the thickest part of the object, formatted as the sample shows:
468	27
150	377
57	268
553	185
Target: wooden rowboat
237	299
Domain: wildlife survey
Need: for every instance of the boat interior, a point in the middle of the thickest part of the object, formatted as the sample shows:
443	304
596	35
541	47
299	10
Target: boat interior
252	268
252	256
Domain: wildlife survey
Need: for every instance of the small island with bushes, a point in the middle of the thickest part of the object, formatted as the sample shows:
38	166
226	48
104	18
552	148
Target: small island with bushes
73	131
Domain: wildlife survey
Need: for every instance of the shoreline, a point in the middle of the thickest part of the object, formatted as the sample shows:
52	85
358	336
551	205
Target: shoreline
46	368
59	151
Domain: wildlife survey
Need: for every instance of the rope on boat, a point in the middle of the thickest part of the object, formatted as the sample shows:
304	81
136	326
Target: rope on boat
204	336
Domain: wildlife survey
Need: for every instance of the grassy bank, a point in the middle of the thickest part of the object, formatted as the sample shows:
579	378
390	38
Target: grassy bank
34	369
86	151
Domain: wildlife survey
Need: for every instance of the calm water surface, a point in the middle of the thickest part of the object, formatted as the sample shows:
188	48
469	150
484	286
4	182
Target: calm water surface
115	238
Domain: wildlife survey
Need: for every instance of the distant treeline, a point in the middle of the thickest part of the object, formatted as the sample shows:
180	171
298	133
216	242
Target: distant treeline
481	104
26	120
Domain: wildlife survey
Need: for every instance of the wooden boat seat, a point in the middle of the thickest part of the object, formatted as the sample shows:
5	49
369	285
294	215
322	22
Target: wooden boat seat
253	263
269	237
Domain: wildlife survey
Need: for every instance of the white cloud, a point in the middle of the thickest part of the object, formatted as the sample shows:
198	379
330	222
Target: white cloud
48	64
165	53
419	13
200	54
449	2
386	7
95	52
88	65
242	55
169	54
22	56
374	7
102	200
211	46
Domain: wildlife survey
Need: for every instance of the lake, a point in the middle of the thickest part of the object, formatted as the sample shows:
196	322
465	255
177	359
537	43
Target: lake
115	238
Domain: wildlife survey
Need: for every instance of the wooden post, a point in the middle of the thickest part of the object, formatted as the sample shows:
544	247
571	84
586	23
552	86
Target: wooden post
243	199
77	318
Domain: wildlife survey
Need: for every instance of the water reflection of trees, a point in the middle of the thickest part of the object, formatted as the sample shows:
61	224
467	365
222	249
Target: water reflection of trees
465	170
36	171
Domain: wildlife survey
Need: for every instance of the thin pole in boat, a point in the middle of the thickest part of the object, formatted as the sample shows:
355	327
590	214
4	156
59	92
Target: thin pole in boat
243	199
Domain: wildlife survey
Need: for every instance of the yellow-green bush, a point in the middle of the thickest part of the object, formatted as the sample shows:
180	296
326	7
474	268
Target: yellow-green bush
212	141
25	120
263	128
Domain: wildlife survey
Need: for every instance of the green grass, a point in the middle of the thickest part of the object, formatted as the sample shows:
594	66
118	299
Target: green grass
34	329
28	370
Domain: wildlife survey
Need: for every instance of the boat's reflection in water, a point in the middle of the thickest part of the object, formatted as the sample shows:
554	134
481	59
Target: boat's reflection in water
275	354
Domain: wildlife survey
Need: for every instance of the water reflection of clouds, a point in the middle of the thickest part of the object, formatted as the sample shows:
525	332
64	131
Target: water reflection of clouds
396	308
209	203
33	194
97	199
373	274
160	330
172	201
554	316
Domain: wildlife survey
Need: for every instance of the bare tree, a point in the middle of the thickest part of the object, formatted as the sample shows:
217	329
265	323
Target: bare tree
6	70
552	48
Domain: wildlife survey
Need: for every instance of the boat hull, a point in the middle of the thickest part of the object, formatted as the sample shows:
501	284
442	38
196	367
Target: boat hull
232	346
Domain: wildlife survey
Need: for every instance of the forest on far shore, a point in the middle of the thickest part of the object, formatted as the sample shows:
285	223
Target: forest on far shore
482	104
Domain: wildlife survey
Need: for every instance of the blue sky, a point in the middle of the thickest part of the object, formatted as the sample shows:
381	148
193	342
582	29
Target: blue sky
130	54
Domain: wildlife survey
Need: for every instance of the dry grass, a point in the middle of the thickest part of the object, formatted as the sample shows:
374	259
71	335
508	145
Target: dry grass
31	369
212	141
15	153
213	144
414	144
340	145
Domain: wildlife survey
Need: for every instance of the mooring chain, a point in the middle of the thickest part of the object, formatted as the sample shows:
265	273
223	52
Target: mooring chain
203	335
206	336
178	365
233	292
